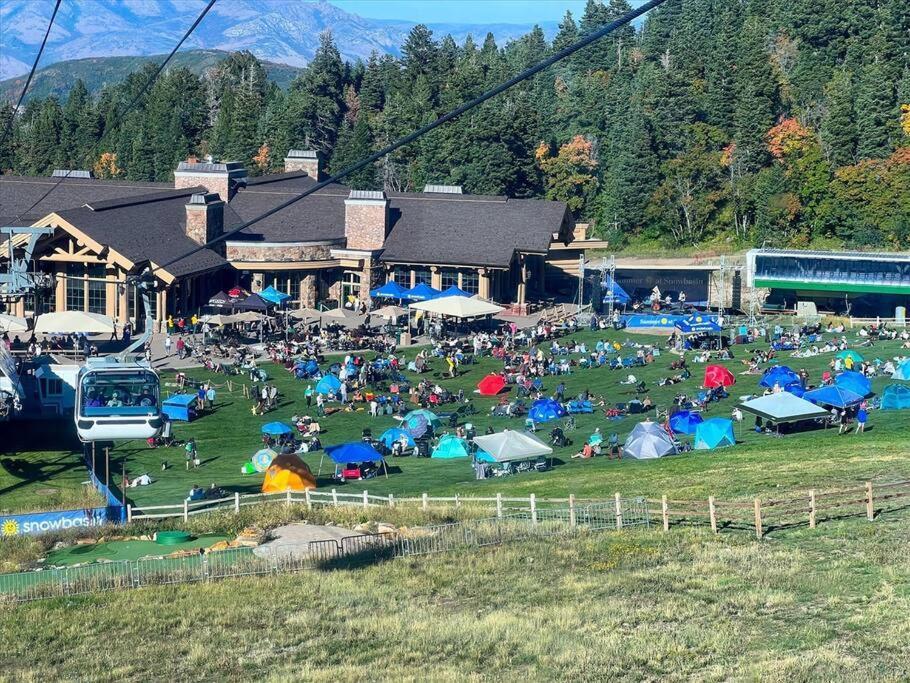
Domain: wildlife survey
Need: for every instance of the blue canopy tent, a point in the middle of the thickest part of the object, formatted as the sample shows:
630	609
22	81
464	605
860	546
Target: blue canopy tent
422	292
546	409
780	375
696	324
451	446
274	296
855	382
795	388
309	368
614	293
180	407
714	433
353	453
896	397
902	372
685	422
454	290
276	429
393	434
834	395
390	290
328	385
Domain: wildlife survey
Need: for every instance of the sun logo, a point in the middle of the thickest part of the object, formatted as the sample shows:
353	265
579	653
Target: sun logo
10	527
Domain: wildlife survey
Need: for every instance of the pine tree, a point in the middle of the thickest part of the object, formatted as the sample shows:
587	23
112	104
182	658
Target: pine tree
874	110
755	92
76	141
838	129
355	141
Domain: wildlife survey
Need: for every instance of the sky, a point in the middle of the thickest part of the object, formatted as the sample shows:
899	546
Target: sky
464	11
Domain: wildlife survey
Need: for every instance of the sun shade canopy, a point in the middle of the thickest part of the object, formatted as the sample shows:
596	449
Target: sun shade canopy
511	445
458	307
783	407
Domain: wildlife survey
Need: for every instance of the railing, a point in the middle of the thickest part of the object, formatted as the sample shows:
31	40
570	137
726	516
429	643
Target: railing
318	555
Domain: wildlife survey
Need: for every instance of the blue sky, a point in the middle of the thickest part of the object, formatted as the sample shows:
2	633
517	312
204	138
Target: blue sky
464	11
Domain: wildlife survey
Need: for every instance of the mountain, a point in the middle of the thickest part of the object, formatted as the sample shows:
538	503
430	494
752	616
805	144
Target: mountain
97	72
281	31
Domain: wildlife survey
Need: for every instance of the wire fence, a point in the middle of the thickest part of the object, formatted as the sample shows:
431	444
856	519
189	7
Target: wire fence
347	552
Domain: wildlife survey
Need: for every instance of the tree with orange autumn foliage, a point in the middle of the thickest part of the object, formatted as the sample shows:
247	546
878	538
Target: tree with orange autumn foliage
569	175
106	166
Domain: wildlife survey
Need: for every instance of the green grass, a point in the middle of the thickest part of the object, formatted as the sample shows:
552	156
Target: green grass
758	465
822	605
132	549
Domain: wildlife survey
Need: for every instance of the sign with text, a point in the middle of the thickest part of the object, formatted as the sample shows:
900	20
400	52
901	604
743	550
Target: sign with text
43	522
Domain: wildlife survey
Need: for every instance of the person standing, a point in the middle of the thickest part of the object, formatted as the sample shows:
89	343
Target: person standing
308	394
320	405
861	417
167	345
181	348
210	396
191	454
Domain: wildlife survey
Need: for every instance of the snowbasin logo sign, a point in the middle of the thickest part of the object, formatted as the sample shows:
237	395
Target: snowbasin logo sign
39	523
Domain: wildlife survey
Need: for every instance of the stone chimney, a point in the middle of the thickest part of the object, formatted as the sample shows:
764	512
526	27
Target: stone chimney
205	218
306	160
221	178
366	219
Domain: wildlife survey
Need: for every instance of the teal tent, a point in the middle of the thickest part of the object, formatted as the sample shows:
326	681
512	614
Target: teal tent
714	433
274	296
451	446
903	371
896	397
328	385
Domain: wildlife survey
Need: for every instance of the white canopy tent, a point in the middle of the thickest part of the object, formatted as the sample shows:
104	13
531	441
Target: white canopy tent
74	321
510	445
458	307
12	323
783	407
218	320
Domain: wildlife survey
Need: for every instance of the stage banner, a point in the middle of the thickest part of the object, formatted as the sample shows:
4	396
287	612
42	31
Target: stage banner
43	522
653	321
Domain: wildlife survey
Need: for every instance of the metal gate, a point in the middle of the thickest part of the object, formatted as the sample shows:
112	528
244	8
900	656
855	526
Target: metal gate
635	512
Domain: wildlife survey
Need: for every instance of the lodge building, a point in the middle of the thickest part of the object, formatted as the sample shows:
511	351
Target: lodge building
334	245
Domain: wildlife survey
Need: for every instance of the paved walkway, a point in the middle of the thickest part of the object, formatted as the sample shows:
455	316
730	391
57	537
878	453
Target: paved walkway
293	540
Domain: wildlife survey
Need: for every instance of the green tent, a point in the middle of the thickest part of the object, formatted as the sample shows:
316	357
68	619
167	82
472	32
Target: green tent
850	353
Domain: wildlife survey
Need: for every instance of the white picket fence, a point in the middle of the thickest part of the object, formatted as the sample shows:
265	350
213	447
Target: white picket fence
336	498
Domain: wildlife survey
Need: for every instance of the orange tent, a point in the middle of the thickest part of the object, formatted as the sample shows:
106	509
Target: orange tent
491	385
288	473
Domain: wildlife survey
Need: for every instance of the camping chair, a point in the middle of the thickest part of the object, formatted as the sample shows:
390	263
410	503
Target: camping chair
569	423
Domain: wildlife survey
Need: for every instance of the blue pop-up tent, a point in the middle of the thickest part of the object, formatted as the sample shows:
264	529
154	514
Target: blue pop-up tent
780	375
855	382
795	388
714	433
273	295
328	385
902	372
896	397
614	293
451	446
353	453
393	434
685	422
695	324
546	409
390	290
422	292
454	290
833	395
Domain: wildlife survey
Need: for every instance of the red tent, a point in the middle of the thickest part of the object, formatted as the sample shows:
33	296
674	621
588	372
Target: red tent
718	376
491	385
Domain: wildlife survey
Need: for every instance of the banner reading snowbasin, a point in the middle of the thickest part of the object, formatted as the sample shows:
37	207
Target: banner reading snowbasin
42	522
655	320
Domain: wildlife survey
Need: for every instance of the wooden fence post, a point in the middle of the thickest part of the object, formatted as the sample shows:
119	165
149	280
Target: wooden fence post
870	505
812	508
758	522
335	497
712	512
309	501
186	511
287	499
456	501
618	500
573	522
366	499
129	513
499	505
236	501
426	503
665	513
391	500
533	500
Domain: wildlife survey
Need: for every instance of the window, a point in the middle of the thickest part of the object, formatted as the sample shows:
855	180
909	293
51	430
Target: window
51	387
350	286
449	278
470	282
402	276
97	289
75	287
123	392
422	275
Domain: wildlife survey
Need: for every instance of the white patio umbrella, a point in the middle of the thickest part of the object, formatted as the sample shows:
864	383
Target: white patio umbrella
219	320
74	321
248	317
389	312
12	323
343	317
305	314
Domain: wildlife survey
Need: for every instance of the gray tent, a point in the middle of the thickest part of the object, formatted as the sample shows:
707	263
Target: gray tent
649	440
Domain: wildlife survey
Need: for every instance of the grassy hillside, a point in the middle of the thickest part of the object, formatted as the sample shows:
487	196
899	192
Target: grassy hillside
820	605
98	72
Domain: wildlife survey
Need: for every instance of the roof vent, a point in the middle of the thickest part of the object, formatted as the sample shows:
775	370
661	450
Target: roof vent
443	189
71	173
366	194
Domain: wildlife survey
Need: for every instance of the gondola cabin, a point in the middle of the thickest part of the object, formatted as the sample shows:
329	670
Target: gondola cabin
117	401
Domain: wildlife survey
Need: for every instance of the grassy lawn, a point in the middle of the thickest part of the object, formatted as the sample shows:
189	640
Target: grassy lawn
759	464
822	605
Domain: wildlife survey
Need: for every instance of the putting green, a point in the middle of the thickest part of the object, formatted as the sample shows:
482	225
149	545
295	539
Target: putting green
124	550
